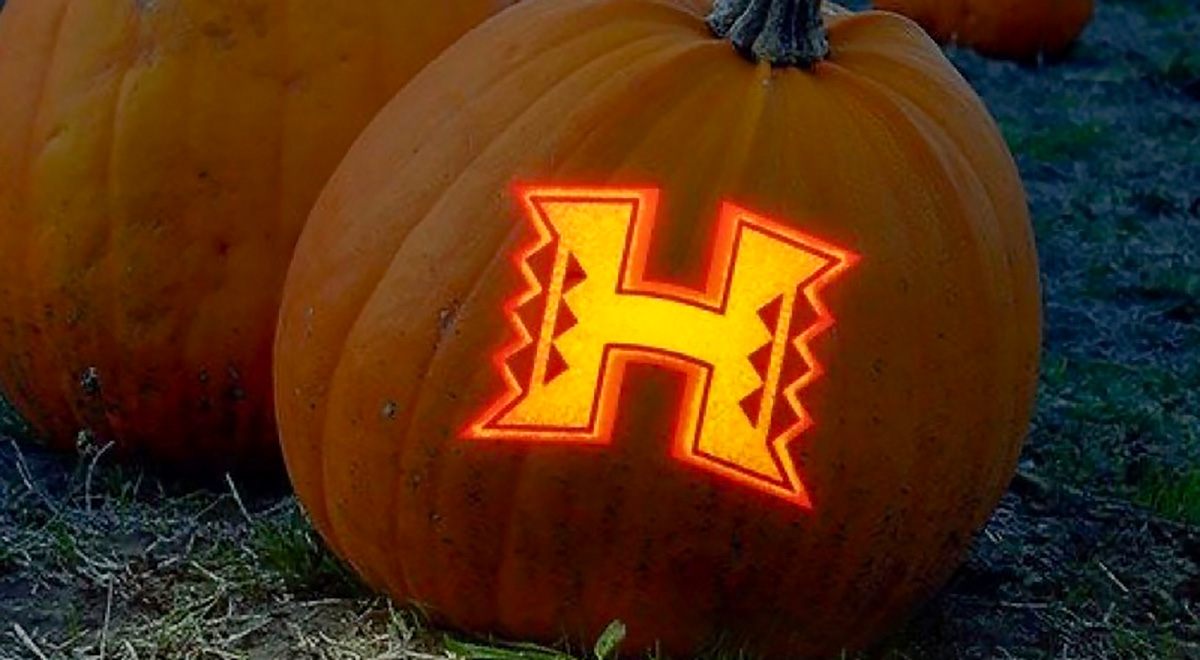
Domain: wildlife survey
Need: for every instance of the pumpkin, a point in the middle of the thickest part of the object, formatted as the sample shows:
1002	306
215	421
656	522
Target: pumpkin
605	184
1024	30
157	161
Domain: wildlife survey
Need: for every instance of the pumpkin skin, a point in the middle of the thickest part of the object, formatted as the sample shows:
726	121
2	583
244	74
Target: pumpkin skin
158	162
392	314
1023	30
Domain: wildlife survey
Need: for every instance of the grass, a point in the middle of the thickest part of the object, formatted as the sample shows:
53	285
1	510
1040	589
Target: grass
287	546
146	572
1173	493
1065	141
1162	10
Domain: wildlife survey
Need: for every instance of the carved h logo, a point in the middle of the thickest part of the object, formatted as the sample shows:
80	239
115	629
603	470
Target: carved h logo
587	311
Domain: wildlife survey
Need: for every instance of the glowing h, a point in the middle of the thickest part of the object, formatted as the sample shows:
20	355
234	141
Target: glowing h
742	342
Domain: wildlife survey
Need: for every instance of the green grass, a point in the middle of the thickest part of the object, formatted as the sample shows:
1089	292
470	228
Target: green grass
1065	141
1173	493
1161	10
1123	429
287	546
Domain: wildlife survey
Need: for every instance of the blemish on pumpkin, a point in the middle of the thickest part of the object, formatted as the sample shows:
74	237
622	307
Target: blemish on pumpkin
90	381
295	83
309	312
389	410
448	315
220	33
235	392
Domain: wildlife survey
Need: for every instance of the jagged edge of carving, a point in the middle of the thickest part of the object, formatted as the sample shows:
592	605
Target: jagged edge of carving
791	392
533	288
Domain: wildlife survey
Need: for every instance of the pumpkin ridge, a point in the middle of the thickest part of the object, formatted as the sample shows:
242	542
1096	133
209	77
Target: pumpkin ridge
95	420
22	294
103	297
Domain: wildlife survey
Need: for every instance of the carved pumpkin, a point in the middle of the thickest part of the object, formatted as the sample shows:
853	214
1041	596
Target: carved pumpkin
157	161
591	232
1010	29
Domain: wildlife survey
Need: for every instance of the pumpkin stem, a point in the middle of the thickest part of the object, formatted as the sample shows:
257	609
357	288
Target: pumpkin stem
782	32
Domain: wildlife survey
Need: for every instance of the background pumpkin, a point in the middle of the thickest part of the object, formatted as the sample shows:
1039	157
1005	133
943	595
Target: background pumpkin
393	310
1010	29
157	161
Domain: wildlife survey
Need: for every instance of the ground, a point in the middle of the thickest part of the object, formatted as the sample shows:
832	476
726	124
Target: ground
1094	552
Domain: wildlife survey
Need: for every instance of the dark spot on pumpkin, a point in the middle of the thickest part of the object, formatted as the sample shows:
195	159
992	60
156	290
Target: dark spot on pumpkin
221	33
235	392
295	83
448	315
222	247
389	410
90	381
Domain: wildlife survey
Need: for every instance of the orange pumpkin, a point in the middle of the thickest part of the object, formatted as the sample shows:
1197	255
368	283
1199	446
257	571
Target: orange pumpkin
157	161
1010	29
596	154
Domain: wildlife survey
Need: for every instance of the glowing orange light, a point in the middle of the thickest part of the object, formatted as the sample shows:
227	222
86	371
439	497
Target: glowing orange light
587	312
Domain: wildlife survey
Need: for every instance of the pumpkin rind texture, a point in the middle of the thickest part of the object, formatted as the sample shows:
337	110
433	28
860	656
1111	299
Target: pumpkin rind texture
157	162
395	310
1023	30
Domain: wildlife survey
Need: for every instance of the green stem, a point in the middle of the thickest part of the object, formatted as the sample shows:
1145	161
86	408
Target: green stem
782	32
